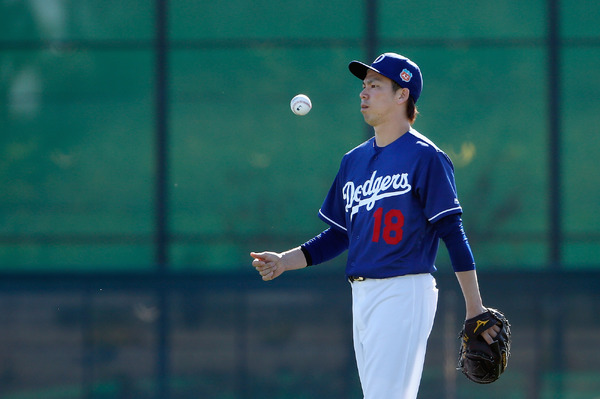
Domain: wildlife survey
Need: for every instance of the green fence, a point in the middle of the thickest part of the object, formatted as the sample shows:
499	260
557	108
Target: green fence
81	87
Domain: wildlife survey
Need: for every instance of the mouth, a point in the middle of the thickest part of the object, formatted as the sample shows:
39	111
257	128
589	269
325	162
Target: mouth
363	106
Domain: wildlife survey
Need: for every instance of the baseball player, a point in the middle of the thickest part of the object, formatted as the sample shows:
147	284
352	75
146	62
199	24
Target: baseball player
393	198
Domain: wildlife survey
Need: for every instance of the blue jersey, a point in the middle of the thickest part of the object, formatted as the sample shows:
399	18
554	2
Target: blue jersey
386	199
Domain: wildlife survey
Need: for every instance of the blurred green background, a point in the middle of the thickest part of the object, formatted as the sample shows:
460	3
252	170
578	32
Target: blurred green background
79	87
142	137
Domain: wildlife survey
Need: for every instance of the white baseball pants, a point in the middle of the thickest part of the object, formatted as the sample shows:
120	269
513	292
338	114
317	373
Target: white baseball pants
392	319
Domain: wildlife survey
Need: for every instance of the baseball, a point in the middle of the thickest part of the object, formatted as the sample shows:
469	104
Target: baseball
301	104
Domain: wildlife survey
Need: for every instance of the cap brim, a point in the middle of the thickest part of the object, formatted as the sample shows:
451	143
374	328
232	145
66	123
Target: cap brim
360	69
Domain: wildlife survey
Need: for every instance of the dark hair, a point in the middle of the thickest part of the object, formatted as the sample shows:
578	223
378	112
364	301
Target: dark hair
411	107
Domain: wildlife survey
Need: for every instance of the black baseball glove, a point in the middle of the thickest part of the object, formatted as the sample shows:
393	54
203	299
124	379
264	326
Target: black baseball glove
480	362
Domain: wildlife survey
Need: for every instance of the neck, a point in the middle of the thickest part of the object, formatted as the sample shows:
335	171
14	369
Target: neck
387	134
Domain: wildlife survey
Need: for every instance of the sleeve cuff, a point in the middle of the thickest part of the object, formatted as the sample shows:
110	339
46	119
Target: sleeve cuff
307	256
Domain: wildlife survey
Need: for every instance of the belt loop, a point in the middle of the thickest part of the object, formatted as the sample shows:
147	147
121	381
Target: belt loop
356	278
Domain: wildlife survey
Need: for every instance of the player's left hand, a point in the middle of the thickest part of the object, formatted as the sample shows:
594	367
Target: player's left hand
490	334
480	361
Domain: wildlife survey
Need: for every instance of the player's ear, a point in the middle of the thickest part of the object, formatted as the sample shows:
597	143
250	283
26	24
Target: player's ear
403	95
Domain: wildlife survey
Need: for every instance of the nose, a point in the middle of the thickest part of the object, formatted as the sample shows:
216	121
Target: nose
363	94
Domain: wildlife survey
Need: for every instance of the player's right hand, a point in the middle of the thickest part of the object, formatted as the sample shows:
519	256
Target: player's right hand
268	264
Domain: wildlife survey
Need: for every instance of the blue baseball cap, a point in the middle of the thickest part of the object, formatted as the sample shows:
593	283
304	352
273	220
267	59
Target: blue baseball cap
395	67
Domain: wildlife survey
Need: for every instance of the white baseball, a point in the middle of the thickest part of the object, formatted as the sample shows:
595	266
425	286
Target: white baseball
301	104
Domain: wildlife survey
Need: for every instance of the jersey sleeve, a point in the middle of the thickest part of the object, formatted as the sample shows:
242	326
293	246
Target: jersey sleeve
451	231
325	246
332	211
436	187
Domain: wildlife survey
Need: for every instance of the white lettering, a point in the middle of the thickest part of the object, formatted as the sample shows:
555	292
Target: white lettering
373	189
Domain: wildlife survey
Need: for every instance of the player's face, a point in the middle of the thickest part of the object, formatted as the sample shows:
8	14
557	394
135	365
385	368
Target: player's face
377	99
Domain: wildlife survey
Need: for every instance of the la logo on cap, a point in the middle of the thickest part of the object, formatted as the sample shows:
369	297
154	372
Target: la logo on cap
405	75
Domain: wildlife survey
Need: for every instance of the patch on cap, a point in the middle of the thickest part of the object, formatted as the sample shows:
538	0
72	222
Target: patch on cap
406	75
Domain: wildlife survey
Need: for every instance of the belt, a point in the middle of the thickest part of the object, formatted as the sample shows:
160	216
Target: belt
356	278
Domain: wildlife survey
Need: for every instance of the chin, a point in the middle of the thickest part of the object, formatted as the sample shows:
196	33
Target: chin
369	121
